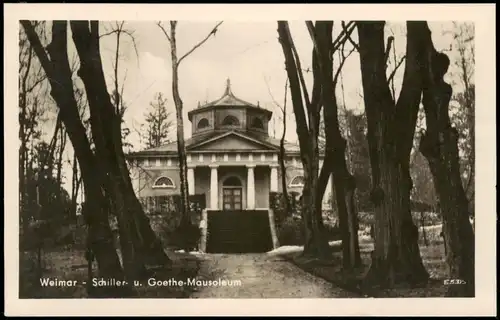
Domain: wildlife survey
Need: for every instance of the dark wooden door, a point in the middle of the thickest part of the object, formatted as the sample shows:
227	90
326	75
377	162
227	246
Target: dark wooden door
232	199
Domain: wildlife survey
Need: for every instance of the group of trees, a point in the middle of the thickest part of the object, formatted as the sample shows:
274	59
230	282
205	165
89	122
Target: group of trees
391	124
41	163
103	168
371	155
93	121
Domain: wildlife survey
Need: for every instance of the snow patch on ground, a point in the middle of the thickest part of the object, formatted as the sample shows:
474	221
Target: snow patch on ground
296	249
438	226
286	250
191	252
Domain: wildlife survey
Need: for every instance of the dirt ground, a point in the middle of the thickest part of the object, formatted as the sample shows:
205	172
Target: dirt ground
260	276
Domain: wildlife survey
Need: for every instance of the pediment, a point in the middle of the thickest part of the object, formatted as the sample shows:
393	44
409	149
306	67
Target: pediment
231	142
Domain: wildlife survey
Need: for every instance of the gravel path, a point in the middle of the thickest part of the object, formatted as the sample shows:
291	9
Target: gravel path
260	276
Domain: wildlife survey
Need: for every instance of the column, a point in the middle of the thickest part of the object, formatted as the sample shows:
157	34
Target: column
214	187
190	177
274	178
250	187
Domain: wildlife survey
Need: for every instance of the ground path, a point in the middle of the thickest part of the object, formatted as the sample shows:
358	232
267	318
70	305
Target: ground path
261	276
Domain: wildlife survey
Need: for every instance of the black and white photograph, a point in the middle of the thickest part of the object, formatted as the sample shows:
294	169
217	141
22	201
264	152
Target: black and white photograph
245	158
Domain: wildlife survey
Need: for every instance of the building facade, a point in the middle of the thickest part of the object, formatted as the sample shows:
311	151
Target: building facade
231	158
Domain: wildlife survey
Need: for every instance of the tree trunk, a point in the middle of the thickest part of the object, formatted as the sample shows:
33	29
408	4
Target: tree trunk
422	224
286	197
315	242
75	187
59	74
439	145
335	149
307	131
138	241
396	258
185	223
59	163
23	104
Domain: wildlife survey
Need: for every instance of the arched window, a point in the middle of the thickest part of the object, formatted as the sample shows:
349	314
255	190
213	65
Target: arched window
232	182
297	181
164	182
230	121
257	123
203	123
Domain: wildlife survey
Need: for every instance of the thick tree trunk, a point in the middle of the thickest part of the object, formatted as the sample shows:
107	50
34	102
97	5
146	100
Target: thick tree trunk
284	187
59	74
138	242
307	131
315	242
335	150
439	145
396	258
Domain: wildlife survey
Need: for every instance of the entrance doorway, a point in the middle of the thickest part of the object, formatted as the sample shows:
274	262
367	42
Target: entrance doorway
232	194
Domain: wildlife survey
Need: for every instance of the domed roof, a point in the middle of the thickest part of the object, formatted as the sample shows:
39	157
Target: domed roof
228	99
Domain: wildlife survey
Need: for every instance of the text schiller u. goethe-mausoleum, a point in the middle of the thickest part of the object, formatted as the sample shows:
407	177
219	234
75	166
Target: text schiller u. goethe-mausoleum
231	158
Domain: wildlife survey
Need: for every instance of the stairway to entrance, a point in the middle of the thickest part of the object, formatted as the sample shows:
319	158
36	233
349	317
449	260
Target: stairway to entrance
238	231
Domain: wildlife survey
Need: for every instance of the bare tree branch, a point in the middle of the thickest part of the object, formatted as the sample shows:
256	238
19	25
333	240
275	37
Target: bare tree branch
299	67
131	36
164	31
393	73
37	46
312	33
390	40
348	35
108	33
341	65
342	37
214	30
271	95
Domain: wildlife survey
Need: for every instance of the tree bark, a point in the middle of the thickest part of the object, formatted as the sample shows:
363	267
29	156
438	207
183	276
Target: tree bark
335	148
185	223
75	187
286	197
307	131
439	145
140	245
23	141
59	74
391	126
59	164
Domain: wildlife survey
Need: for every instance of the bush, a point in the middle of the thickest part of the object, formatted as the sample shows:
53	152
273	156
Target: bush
430	218
290	232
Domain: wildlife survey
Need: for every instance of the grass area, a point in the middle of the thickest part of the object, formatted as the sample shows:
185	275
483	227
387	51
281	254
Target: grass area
433	256
69	264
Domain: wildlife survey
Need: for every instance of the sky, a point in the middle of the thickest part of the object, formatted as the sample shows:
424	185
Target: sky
247	53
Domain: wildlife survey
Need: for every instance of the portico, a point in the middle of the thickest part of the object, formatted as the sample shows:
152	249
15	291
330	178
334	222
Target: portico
233	185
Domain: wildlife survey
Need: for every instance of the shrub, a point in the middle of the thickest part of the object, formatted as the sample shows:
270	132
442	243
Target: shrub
277	204
165	220
290	232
